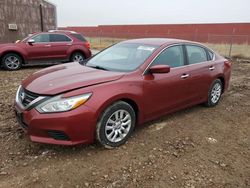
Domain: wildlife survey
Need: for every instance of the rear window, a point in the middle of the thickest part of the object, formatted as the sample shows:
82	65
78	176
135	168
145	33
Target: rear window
79	37
196	54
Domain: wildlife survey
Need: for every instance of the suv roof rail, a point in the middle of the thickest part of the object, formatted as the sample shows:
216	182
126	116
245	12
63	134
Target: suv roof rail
51	31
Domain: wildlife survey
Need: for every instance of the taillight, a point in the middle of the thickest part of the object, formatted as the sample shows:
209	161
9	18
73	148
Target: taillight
87	45
228	64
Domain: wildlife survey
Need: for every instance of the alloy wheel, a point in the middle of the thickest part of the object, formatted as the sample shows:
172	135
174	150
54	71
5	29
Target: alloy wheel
216	93
118	126
78	58
12	62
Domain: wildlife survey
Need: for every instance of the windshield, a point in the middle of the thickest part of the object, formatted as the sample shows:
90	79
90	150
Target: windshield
123	57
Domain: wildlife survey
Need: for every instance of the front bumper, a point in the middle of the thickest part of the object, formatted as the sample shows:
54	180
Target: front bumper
67	128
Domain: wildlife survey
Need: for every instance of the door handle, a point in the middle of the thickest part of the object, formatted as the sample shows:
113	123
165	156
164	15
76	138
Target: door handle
47	45
69	44
211	68
184	76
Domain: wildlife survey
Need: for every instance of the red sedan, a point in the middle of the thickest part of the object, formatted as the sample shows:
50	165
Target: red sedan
125	85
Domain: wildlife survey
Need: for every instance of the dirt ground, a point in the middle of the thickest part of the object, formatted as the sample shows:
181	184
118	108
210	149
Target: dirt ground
196	147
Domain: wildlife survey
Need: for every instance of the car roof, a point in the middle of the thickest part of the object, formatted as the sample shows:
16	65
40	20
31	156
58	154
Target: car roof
158	41
57	32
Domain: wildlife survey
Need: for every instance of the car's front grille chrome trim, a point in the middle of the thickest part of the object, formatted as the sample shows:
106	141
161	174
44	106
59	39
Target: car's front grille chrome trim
27	100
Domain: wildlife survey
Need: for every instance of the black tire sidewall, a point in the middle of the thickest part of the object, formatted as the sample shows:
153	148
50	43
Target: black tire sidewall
100	132
8	55
210	103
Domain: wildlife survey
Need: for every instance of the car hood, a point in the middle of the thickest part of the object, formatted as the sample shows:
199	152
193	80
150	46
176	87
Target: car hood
66	77
6	44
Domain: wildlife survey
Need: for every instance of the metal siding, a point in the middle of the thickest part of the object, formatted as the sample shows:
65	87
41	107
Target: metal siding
197	32
24	13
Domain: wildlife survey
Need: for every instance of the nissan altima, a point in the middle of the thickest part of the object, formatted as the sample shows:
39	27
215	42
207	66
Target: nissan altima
105	97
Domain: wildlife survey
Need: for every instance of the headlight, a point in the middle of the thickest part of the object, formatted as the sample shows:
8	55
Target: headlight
59	104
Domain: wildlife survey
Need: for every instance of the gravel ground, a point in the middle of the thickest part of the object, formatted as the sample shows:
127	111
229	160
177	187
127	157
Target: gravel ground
196	147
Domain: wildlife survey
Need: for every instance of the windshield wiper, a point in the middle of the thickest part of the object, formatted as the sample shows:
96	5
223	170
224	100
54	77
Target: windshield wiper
97	67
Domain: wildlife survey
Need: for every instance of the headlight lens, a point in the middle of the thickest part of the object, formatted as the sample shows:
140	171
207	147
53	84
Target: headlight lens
59	104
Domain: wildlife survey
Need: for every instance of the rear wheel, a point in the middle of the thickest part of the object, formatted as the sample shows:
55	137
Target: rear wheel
214	93
12	62
116	125
77	57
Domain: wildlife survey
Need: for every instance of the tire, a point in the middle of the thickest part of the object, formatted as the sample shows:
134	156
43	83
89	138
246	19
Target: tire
77	57
214	93
115	125
12	62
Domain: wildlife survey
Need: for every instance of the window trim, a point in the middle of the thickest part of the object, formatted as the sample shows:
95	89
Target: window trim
186	63
71	40
32	37
165	48
205	49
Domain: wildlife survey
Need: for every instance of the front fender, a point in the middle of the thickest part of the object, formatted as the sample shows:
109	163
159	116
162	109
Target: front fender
106	94
13	49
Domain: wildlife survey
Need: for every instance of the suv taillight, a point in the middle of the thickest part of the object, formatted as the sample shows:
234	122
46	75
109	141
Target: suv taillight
87	45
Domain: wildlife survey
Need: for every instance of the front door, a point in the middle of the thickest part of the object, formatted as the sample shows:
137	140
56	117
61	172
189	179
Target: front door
166	92
40	49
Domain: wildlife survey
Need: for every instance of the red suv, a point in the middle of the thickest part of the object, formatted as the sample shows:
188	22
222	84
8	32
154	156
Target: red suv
125	85
53	46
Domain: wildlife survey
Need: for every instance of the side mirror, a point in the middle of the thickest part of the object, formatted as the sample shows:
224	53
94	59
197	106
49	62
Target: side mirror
159	69
31	41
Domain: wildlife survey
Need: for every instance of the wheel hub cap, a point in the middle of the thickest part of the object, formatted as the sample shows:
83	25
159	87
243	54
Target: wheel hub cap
216	93
12	62
118	126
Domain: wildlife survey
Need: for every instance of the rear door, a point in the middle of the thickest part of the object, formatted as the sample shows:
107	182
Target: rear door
201	69
169	91
60	43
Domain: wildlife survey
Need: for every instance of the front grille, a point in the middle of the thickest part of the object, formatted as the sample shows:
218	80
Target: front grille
26	97
58	135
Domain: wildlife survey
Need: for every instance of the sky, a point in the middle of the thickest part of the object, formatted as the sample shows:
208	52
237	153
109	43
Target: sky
119	12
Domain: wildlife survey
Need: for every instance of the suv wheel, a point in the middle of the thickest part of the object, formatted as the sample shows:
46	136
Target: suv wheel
115	125
214	93
77	57
12	62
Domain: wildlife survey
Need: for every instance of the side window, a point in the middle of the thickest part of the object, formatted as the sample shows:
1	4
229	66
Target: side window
172	56
196	54
59	38
41	38
79	37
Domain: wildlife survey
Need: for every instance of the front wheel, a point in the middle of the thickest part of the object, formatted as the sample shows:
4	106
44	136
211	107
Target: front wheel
214	93
12	62
115	125
77	57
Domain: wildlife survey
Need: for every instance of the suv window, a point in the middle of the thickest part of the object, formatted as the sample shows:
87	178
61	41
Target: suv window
172	56
41	38
79	37
59	38
196	54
